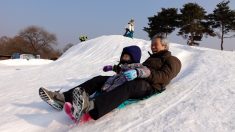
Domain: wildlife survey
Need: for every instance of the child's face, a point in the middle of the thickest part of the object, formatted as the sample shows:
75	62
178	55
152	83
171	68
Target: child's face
126	57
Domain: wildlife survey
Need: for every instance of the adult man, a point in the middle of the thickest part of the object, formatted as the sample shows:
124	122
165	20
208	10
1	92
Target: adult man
161	68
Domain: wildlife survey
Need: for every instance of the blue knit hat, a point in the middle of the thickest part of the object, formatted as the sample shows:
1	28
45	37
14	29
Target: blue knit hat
134	52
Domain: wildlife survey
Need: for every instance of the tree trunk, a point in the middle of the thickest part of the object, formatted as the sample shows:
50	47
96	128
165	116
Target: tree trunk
192	39
222	38
222	42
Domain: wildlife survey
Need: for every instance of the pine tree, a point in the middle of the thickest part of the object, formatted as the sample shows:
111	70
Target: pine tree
164	23
193	23
223	18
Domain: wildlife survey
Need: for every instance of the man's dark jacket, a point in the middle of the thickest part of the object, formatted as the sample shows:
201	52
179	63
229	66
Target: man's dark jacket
164	67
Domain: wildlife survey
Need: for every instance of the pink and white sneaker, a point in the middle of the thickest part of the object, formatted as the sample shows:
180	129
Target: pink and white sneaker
85	118
68	110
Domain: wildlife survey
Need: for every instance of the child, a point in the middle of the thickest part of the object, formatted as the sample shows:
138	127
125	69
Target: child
130	59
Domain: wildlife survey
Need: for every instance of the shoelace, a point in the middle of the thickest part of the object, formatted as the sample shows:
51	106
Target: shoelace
55	96
58	91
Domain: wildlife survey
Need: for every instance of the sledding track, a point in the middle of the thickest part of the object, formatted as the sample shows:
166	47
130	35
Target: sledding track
200	98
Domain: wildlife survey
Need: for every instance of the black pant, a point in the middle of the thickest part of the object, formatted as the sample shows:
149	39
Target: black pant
90	86
108	101
125	34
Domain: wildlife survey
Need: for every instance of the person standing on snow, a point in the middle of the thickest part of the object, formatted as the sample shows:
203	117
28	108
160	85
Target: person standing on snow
130	29
161	65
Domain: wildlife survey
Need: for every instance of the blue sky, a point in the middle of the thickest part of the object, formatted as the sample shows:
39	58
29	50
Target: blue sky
71	18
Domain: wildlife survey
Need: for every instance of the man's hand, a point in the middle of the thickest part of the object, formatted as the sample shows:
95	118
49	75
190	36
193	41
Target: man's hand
130	75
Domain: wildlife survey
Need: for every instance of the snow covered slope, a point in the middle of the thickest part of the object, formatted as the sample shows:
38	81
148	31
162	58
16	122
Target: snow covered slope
25	62
200	98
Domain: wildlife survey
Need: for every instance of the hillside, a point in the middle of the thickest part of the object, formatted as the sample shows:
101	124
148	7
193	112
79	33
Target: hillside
200	98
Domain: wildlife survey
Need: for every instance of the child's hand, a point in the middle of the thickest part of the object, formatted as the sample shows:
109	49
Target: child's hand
107	68
130	75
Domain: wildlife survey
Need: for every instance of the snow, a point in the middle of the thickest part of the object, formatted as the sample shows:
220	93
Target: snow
200	98
24	62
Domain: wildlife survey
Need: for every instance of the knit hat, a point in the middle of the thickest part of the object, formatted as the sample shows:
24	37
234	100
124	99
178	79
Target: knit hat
134	52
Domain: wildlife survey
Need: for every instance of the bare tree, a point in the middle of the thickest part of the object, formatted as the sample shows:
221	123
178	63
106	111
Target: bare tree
32	40
3	41
38	38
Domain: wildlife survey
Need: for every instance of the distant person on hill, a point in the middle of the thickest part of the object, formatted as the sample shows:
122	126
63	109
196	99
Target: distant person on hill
129	29
160	68
83	38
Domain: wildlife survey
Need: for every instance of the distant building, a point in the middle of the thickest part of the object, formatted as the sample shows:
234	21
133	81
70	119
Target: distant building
15	56
24	56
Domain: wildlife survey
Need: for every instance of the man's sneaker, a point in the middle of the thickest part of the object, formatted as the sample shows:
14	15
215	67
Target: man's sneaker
81	103
54	99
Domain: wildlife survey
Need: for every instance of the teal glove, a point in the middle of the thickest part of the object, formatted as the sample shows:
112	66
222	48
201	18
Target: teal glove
130	75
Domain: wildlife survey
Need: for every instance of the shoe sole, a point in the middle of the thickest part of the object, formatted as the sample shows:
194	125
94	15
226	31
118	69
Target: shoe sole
78	103
45	97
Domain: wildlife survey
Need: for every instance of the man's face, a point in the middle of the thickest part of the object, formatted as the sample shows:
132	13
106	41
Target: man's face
157	46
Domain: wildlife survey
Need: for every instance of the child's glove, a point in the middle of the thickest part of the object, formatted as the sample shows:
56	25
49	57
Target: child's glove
107	68
130	75
117	68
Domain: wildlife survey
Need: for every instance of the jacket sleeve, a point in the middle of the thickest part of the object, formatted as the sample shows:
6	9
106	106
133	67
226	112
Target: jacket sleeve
117	68
166	73
143	72
131	27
